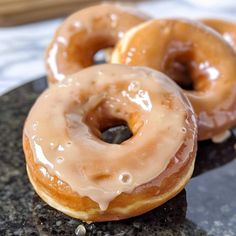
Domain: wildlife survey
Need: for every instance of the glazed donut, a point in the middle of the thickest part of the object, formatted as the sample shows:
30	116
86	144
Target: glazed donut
83	34
197	58
76	172
225	28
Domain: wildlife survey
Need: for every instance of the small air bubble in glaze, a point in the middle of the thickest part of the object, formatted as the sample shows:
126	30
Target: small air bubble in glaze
134	86
60	159
125	178
68	143
52	145
35	125
183	130
59	182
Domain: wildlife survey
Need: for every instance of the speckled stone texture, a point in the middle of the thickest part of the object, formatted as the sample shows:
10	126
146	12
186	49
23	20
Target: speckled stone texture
207	206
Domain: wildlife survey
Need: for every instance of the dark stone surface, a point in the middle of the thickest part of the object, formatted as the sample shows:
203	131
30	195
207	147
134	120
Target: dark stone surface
206	207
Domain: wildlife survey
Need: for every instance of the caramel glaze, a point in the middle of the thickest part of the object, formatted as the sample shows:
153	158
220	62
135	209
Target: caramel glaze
194	56
156	111
83	34
225	28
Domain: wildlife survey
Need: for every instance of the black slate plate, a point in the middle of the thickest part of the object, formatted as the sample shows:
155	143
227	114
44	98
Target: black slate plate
206	207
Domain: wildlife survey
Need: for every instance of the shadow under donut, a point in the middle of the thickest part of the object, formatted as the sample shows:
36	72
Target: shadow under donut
213	155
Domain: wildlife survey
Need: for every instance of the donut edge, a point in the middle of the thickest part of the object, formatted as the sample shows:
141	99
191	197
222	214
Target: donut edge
95	215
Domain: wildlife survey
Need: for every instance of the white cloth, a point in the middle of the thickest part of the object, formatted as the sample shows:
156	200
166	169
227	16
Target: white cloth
22	47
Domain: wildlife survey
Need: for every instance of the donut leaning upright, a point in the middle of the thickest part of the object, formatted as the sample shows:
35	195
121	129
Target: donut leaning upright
197	58
225	28
83	34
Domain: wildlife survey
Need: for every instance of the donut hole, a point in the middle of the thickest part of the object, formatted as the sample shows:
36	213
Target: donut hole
108	125
116	134
180	72
189	70
102	56
178	64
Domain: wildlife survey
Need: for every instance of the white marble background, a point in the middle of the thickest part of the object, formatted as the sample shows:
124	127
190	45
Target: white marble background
22	47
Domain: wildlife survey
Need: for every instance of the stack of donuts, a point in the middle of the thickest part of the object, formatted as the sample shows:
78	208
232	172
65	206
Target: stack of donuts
172	82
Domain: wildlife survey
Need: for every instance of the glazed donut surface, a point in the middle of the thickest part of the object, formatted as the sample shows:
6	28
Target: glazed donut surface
83	34
194	56
225	28
73	170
